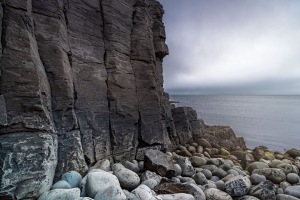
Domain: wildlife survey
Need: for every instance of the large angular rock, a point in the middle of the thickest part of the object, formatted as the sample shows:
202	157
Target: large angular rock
28	162
159	163
171	188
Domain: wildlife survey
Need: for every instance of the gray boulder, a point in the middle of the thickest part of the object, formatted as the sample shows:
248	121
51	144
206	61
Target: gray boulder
216	194
293	191
264	191
200	178
143	192
292	178
127	178
273	174
61	185
178	196
112	192
257	178
186	166
237	186
99	182
63	194
285	197
72	177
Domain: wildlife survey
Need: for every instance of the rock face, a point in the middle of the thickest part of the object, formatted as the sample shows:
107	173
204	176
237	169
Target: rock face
81	81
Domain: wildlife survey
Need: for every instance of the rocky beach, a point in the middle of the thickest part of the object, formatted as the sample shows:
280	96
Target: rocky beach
84	115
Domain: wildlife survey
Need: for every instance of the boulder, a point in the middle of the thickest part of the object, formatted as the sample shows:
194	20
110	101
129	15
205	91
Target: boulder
143	192
216	194
292	178
264	191
285	197
273	174
178	196
293	152
112	192
159	163
128	179
62	184
293	191
73	178
171	188
186	166
257	178
64	194
256	165
200	178
99	182
150	175
237	186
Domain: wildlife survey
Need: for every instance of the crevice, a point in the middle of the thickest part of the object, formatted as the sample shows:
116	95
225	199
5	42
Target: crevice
111	135
65	10
3	32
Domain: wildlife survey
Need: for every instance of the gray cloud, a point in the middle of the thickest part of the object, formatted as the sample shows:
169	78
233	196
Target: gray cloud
222	46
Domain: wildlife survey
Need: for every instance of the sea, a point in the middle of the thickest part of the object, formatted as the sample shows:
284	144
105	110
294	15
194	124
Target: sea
272	121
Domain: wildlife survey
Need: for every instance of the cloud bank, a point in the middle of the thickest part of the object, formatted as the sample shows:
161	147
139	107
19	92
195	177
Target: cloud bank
232	47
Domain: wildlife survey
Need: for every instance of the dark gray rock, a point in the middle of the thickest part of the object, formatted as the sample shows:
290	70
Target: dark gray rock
257	178
159	163
237	186
264	191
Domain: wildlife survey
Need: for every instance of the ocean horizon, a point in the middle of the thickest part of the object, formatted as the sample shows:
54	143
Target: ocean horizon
269	120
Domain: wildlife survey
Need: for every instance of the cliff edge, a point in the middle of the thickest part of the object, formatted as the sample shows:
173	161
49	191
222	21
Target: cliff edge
81	81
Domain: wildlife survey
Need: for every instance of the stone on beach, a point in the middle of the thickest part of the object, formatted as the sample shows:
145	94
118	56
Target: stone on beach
72	177
238	186
128	179
65	194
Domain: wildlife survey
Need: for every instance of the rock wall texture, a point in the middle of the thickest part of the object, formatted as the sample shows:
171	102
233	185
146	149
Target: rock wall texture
80	81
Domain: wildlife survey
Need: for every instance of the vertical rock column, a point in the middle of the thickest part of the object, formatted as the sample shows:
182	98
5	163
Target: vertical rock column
149	81
121	85
86	57
28	145
53	45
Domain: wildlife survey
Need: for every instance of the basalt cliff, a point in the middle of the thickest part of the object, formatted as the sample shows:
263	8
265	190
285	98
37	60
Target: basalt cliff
80	81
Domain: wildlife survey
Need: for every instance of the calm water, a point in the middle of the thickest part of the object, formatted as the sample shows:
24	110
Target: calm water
273	121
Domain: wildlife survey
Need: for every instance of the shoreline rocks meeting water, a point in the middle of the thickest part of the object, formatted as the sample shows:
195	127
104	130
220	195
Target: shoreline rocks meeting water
191	172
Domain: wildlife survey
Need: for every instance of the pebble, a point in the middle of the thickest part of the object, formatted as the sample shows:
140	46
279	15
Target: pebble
198	161
132	166
256	165
293	191
200	178
215	161
72	177
285	197
186	166
151	183
220	185
61	185
292	178
178	170
207	173
219	173
257	178
284	185
128	179
273	174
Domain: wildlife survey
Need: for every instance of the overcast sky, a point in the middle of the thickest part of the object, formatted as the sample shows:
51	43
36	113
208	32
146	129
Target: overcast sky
232	46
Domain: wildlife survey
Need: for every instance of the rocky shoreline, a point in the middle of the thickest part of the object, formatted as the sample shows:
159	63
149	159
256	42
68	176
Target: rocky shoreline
197	171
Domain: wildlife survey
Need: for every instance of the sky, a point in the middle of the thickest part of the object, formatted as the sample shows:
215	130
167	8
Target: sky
232	47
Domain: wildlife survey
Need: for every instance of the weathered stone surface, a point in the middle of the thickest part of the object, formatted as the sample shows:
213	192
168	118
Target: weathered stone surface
213	194
171	188
265	191
237	186
160	163
186	166
177	196
272	174
128	179
99	182
65	194
28	162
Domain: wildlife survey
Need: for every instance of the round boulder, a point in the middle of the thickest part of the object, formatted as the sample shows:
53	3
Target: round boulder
72	177
238	186
127	178
216	194
112	192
